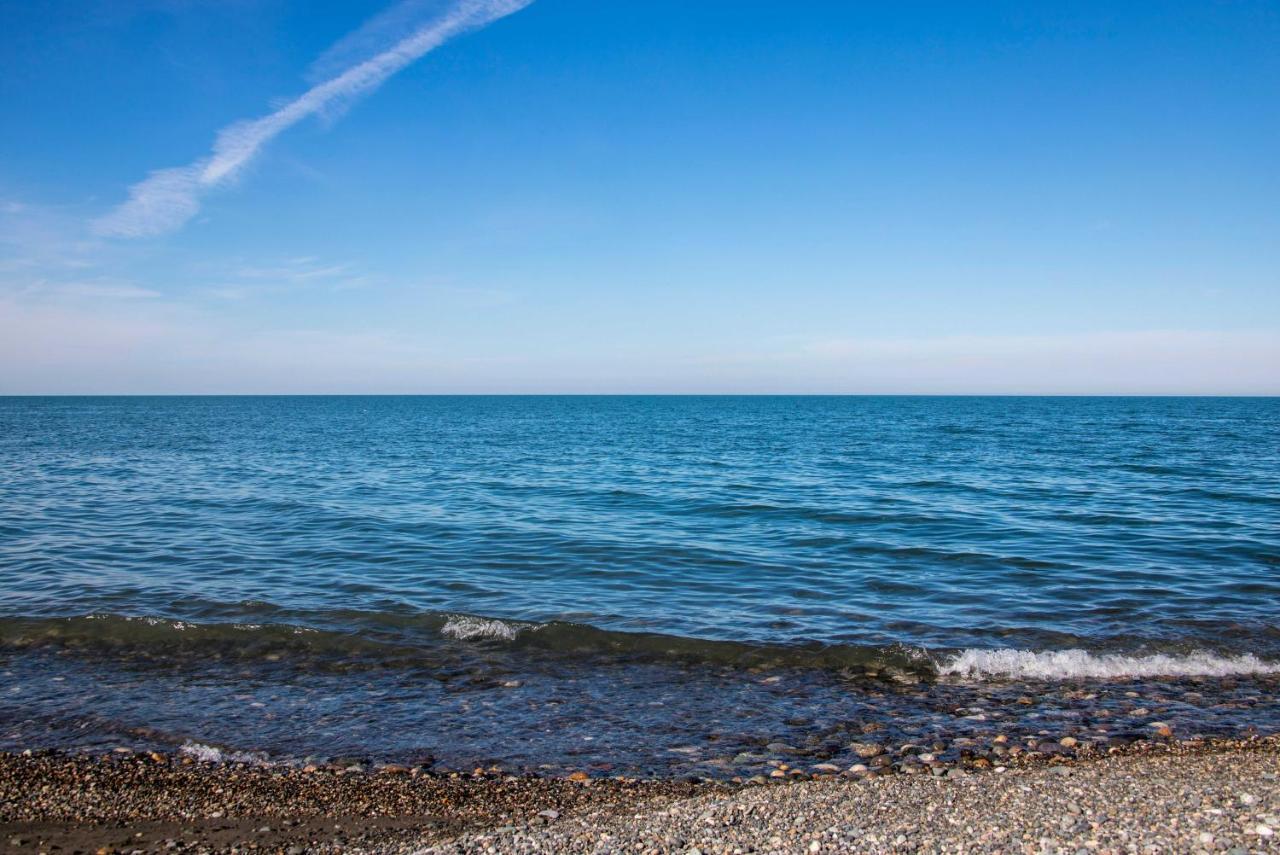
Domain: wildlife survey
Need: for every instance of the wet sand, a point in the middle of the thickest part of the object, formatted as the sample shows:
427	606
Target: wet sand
1165	797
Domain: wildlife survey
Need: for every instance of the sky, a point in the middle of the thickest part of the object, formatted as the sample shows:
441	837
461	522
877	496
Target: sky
575	196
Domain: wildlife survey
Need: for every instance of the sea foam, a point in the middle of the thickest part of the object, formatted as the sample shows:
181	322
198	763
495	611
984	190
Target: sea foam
202	753
467	628
1068	664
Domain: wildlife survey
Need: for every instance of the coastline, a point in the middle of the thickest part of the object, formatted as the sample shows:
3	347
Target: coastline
1214	795
498	704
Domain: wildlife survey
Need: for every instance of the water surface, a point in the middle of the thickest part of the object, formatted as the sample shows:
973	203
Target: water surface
165	559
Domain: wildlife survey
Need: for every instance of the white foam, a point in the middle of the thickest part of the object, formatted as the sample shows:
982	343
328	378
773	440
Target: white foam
467	628
1068	664
203	753
209	754
148	620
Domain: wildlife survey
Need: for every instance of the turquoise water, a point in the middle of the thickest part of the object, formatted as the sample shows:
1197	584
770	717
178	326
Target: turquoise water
939	538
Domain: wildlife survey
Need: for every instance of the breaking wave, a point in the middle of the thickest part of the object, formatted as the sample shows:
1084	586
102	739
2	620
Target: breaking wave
468	628
202	753
441	640
1080	664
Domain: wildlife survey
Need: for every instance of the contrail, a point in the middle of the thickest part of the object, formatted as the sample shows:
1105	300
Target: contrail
168	198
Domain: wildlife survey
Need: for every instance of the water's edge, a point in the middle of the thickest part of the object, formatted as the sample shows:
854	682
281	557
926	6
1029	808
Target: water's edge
399	640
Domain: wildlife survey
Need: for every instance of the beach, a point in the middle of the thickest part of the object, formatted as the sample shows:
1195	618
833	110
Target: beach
1216	796
433	427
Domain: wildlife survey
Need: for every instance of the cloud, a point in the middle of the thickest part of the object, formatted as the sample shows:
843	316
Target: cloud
89	289
371	37
300	271
166	199
38	237
160	203
281	276
107	291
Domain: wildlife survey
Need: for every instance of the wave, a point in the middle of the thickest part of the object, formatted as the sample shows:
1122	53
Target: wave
428	640
1081	664
203	753
443	641
469	627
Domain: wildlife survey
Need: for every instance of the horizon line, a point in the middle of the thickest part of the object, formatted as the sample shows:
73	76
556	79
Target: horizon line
636	395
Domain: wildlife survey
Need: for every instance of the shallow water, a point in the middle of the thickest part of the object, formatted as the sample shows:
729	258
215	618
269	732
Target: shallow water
374	571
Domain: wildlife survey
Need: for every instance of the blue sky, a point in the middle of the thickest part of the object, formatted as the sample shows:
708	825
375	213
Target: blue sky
639	197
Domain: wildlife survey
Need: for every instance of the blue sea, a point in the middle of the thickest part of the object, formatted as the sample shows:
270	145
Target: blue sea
649	584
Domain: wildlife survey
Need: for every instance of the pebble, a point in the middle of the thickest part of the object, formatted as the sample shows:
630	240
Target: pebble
1147	802
81	804
866	749
907	762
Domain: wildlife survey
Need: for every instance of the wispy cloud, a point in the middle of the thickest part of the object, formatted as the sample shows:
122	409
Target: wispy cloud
168	198
283	275
107	291
38	237
102	288
300	270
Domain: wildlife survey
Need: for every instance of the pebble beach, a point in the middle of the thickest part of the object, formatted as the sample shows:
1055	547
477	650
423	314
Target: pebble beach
1156	796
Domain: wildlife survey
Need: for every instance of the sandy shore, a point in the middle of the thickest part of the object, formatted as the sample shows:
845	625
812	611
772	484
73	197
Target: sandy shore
1154	798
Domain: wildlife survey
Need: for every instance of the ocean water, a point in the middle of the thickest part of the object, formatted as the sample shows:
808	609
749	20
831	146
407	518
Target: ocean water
558	581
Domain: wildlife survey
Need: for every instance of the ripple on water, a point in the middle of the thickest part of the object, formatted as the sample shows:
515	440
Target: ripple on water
663	533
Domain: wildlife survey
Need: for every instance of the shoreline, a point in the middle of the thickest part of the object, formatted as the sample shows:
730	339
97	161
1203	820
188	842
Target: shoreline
1170	794
499	706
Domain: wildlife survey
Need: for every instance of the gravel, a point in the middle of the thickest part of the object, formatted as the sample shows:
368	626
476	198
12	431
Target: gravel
1171	797
153	802
1179	800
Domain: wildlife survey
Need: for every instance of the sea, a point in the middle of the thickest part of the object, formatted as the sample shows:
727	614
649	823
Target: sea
649	586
